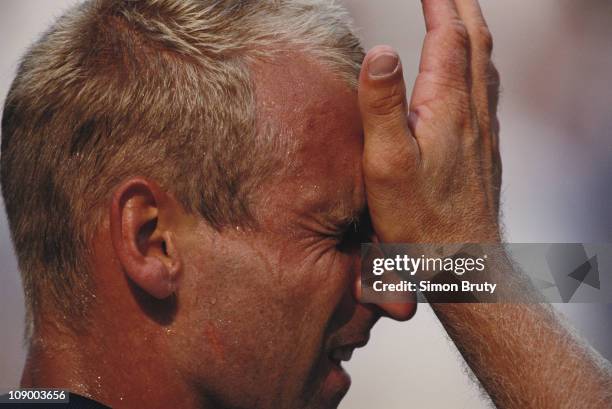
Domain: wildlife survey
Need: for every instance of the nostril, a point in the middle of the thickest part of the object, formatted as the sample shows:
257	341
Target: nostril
399	311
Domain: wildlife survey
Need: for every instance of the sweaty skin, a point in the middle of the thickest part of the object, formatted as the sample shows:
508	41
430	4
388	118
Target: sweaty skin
261	317
432	172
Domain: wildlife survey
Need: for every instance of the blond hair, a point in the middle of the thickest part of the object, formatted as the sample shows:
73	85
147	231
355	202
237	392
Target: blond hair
156	88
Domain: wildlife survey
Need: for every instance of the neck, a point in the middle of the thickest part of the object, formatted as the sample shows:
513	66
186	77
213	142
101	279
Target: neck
114	369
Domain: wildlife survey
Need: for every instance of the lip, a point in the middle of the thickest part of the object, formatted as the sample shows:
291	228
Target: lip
338	380
351	345
342	352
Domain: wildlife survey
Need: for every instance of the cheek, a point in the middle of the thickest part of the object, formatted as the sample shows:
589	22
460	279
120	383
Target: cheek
319	286
247	309
321	272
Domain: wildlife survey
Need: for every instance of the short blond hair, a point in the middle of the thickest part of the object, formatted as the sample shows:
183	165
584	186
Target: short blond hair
156	88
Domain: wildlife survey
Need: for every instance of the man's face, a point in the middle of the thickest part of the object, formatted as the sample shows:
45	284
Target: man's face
270	314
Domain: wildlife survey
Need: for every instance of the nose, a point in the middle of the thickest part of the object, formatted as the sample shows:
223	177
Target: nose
399	311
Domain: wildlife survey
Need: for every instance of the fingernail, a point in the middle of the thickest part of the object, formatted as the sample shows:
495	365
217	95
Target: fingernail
383	65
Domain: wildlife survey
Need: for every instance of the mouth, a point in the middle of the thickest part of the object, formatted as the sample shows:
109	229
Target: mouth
341	354
338	380
344	352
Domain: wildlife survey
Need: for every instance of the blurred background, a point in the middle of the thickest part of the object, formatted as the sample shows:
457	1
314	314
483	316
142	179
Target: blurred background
555	59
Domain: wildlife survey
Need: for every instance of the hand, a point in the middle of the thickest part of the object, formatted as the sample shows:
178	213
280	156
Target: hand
432	168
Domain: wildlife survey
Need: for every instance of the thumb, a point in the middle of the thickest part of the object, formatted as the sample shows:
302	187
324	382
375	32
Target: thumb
391	153
390	146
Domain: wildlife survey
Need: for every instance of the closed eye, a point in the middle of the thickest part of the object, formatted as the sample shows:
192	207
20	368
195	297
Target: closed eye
355	233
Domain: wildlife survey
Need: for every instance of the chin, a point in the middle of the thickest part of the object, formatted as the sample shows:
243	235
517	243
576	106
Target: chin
333	387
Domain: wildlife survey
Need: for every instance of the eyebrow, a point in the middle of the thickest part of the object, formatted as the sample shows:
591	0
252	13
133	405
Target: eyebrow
345	215
341	212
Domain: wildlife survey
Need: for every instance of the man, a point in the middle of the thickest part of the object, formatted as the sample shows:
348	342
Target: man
188	183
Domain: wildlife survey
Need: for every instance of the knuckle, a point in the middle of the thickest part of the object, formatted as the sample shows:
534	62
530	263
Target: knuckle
386	166
470	125
484	39
455	44
377	171
454	86
458	34
493	75
388	101
493	84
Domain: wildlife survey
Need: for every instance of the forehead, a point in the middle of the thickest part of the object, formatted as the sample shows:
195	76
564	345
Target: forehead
319	113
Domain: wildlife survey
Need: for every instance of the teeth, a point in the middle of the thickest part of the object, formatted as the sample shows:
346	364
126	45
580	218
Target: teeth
342	354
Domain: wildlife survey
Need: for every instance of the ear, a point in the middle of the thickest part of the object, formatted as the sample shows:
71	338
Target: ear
141	226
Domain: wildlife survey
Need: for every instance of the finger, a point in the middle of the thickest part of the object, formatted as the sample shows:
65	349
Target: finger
446	46
439	13
496	162
444	73
481	41
485	79
471	13
389	146
481	45
493	90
